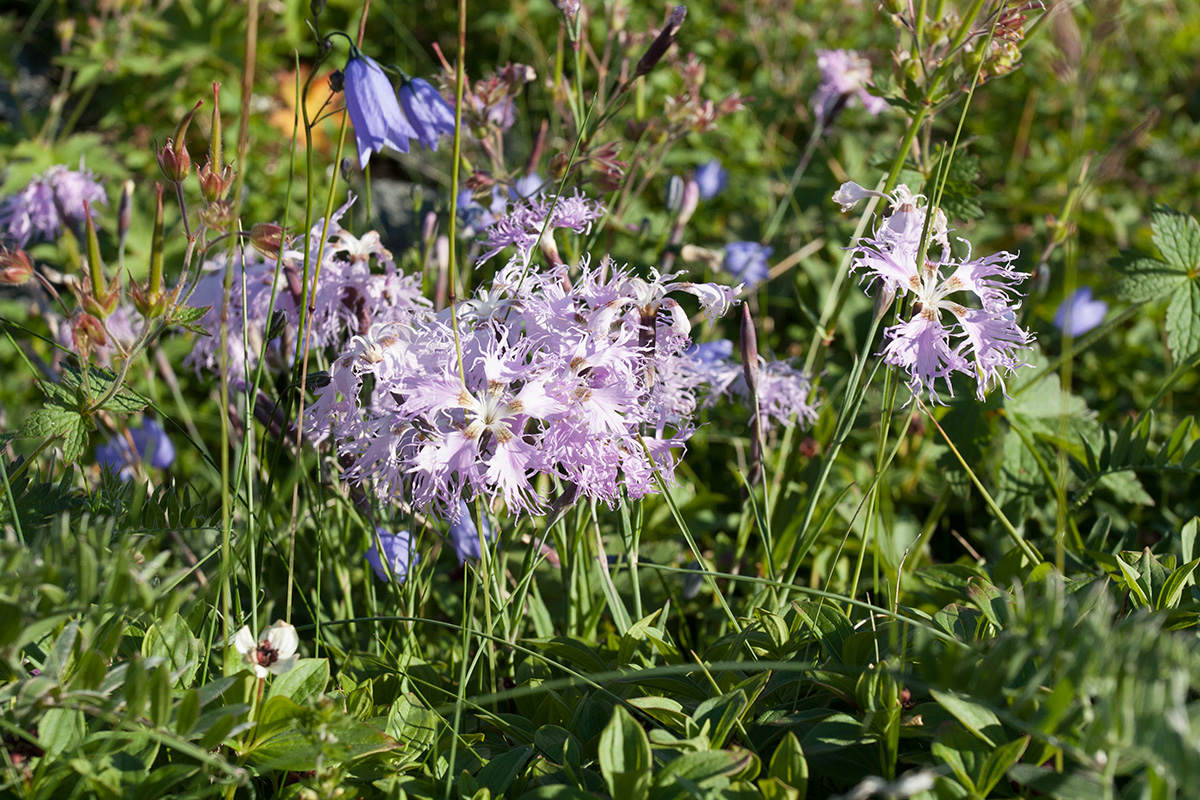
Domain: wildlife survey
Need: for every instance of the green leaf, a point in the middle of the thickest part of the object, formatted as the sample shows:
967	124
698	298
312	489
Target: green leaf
499	773
413	724
188	318
100	382
1147	278
1059	785
303	682
54	421
998	764
1177	237
789	765
1168	596
722	713
976	718
1183	321
1132	583
625	760
172	641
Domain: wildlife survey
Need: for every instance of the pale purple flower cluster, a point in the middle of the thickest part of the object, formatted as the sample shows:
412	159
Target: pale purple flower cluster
528	218
359	285
845	76
559	377
783	390
984	342
52	199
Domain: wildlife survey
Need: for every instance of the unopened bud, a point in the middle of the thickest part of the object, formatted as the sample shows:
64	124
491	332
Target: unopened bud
337	81
125	211
316	7
749	351
894	6
689	202
267	238
15	267
658	48
154	284
347	169
174	161
279	322
214	142
428	228
884	296
93	251
674	193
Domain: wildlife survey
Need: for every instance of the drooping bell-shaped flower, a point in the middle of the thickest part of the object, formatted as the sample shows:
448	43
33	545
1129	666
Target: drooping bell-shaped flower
374	110
427	111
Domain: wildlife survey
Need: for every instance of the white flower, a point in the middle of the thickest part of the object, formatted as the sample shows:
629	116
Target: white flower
276	652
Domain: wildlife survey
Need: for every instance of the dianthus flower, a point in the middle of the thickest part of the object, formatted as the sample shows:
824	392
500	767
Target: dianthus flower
783	391
983	342
845	75
50	200
522	224
359	285
558	377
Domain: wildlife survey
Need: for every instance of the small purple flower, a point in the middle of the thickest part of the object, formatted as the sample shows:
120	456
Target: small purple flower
747	261
147	445
526	186
844	74
712	179
464	536
1079	313
47	202
712	354
374	110
427	110
397	548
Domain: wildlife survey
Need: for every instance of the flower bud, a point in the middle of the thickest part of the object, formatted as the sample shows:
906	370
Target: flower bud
658	48
316	7
174	161
15	267
215	185
267	238
125	211
214	142
894	6
674	193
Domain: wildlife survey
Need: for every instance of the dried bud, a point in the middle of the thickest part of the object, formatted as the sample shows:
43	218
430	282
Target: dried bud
267	238
174	161
749	351
658	48
558	166
15	267
215	185
337	81
218	215
87	332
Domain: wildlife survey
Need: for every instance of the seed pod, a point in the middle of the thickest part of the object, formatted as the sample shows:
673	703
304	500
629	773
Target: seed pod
15	267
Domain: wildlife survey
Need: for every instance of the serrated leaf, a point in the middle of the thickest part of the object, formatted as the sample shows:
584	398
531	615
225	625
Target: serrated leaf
1147	278
1177	237
1183	321
58	422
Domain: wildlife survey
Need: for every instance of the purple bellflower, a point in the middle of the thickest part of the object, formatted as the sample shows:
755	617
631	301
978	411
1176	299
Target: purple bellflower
984	342
464	536
427	111
397	548
128	450
374	110
712	179
1079	313
747	262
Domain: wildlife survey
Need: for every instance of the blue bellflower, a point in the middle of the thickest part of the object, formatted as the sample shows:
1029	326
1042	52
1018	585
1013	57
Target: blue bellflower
427	111
464	536
147	445
397	549
747	261
1079	313
374	110
712	179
